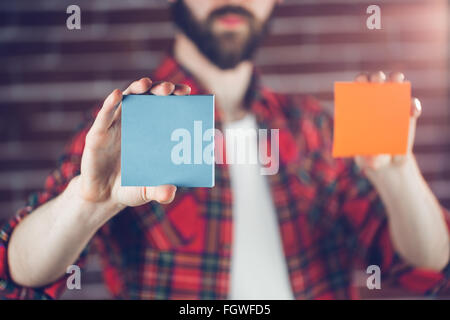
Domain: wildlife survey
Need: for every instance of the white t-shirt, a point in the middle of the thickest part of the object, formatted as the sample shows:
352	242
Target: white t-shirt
258	265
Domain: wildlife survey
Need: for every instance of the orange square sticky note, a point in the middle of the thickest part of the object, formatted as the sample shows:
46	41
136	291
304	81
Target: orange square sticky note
371	118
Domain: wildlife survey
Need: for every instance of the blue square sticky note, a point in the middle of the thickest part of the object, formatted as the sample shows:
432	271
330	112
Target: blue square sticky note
167	140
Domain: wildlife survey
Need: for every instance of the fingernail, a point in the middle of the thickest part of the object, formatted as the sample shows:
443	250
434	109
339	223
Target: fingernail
417	107
164	87
378	77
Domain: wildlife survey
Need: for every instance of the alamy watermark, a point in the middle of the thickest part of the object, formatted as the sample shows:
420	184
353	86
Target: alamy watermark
374	280
73	21
236	146
374	20
73	282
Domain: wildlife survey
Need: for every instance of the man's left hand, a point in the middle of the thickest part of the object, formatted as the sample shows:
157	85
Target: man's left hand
374	164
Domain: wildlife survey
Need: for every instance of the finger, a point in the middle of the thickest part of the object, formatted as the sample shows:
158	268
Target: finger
117	115
362	77
365	162
136	87
397	77
381	161
139	87
377	77
163	194
373	162
399	159
416	108
411	134
360	161
105	116
164	88
181	90
412	127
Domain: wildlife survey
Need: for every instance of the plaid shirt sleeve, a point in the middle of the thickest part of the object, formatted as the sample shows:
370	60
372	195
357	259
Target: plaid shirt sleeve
364	214
56	182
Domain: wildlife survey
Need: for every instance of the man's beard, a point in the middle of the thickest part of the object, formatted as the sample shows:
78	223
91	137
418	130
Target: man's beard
228	49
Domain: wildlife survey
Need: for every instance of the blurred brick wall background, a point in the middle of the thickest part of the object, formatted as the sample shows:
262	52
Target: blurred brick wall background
50	76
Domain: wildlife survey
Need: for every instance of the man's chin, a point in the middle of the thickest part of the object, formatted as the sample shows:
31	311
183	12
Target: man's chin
234	37
226	61
231	47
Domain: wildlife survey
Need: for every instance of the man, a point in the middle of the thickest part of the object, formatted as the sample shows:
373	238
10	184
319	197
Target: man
297	234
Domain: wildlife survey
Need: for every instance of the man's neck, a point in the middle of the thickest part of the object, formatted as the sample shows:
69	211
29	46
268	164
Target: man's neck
229	86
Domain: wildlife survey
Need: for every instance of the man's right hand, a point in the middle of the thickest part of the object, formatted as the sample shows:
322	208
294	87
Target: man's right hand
100	180
45	242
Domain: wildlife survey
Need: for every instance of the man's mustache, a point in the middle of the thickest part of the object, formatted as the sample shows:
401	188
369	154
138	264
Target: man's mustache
229	9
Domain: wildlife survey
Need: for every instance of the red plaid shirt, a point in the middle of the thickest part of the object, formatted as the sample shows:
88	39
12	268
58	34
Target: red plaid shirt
331	219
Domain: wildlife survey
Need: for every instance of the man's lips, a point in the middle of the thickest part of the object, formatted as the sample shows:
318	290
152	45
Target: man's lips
231	19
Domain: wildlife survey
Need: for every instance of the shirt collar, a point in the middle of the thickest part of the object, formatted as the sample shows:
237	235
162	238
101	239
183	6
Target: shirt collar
261	101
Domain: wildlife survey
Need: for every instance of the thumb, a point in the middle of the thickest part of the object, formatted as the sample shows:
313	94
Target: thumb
163	194
416	110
